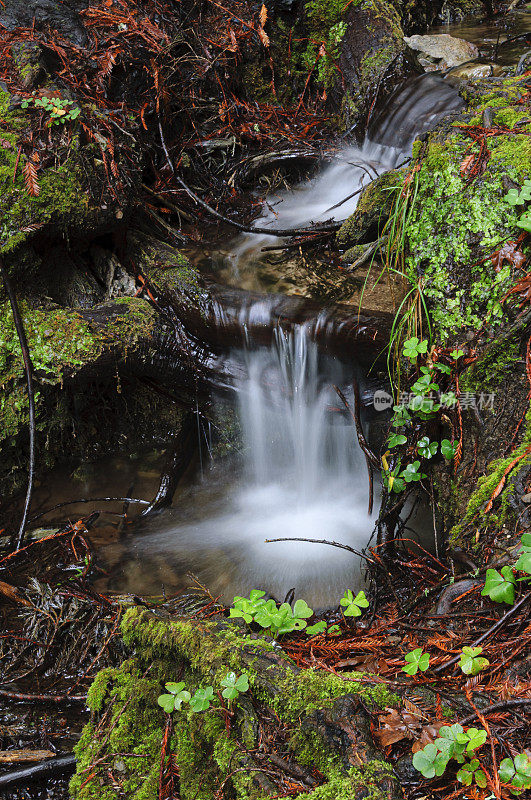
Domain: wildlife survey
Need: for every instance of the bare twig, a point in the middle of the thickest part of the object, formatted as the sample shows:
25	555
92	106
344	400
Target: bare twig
28	368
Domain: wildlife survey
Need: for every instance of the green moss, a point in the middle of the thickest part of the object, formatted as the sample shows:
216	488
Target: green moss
486	374
60	343
507	467
62	186
373	209
363	782
451	226
201	653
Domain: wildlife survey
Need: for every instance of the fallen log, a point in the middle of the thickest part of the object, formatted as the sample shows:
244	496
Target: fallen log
309	727
15	756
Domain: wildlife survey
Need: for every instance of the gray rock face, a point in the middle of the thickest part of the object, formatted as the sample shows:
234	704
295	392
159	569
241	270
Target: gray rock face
441	51
60	15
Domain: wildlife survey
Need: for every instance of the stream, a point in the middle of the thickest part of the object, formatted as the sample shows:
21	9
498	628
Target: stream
293	467
300	472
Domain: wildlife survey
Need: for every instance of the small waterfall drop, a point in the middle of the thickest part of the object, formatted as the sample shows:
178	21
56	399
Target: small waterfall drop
302	475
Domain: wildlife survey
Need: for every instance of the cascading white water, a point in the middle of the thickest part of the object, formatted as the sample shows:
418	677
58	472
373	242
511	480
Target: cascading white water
303	472
303	476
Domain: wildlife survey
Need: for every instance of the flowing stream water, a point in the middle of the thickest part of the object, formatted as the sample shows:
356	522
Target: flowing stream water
301	473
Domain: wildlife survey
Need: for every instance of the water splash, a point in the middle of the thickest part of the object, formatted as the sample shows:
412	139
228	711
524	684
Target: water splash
303	476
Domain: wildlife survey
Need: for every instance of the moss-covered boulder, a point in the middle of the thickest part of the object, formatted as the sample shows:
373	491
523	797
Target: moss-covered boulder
306	725
372	212
372	59
464	252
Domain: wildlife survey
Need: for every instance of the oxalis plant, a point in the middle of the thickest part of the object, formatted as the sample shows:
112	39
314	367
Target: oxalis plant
420	408
58	109
521	197
176	694
453	743
283	619
500	586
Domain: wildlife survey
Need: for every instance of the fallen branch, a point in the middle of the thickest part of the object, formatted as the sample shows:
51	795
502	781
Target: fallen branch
489	632
28	368
53	766
321	541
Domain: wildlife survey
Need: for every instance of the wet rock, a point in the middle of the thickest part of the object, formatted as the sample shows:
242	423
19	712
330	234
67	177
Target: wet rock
63	17
441	51
28	63
373	57
473	71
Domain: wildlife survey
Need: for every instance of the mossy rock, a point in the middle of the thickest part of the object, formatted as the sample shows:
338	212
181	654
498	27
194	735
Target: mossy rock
455	224
64	345
372	212
72	195
309	708
372	57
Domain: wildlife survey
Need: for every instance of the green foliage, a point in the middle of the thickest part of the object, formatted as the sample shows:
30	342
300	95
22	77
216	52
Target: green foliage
453	742
234	686
396	439
59	110
202	698
412	472
414	347
470	662
417	660
176	697
430	761
353	605
517	773
327	32
283	619
427	449
448	449
247	608
519	198
500	587
471	773
524	561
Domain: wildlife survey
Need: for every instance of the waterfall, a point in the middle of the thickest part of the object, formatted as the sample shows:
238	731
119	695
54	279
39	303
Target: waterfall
302	474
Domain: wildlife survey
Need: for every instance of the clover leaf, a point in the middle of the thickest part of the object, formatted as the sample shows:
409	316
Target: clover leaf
176	697
396	439
417	660
471	772
430	761
448	449
317	627
469	662
234	686
353	605
426	448
413	348
516	772
201	699
500	587
411	472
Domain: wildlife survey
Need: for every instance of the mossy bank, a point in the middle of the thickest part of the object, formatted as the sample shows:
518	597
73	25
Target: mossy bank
307	707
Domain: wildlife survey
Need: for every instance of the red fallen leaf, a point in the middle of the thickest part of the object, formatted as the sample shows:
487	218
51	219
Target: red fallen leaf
427	736
509	252
30	178
264	38
523	288
397	725
466	165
